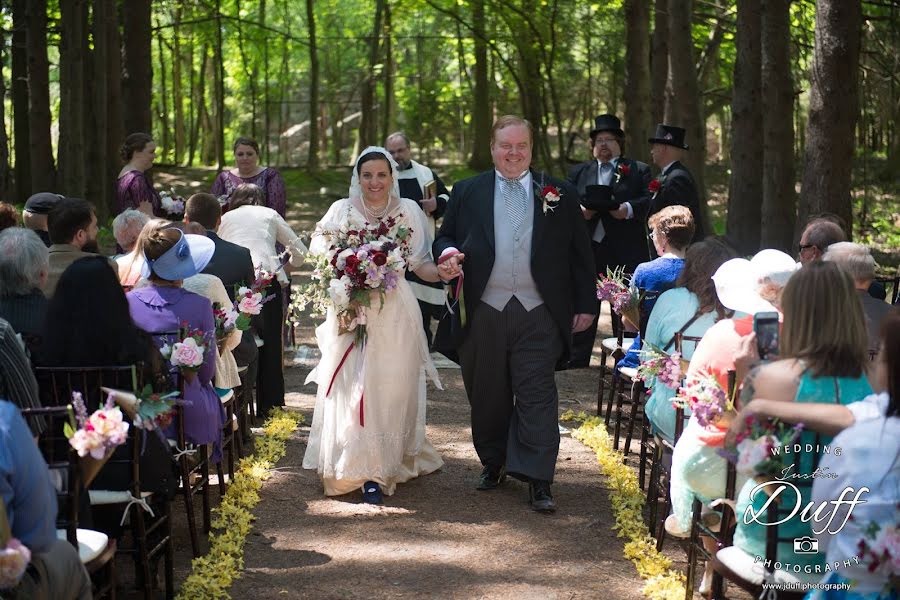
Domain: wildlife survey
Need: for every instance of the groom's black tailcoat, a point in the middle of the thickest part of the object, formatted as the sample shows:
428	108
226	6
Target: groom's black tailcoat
508	356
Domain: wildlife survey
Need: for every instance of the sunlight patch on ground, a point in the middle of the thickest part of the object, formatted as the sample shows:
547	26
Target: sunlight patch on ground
341	508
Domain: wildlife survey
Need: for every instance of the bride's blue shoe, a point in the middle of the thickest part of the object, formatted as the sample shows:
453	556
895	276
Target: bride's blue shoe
372	493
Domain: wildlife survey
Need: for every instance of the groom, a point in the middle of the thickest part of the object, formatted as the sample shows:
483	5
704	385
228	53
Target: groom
519	237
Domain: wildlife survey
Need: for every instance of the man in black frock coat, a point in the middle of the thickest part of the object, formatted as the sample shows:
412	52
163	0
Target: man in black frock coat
614	200
528	284
675	184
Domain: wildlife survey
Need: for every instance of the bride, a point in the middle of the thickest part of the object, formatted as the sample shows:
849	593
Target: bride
369	430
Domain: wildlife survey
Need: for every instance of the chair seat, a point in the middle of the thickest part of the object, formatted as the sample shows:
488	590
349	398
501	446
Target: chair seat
242	369
259	342
102	497
225	395
610	344
630	372
90	543
752	571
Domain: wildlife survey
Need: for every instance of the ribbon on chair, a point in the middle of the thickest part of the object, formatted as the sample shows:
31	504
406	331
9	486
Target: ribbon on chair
132	501
186	452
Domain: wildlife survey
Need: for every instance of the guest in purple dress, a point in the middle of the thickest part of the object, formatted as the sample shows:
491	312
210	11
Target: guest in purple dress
163	306
246	157
134	188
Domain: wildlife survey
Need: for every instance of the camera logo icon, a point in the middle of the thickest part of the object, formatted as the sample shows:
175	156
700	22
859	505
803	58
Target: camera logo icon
806	545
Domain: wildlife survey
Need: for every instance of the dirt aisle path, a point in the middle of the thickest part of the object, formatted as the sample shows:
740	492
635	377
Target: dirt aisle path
437	537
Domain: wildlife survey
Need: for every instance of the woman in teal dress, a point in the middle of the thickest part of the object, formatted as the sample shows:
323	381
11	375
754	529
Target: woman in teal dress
823	359
690	309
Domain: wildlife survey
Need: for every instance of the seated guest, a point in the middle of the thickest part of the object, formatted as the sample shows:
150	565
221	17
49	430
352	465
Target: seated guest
689	309
126	229
230	263
162	306
55	571
17	382
822	360
857	261
131	264
88	325
819	234
250	224
9	216
73	231
24	264
34	215
210	287
671	231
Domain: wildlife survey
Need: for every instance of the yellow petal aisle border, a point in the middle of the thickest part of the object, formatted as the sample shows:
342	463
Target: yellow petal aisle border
212	575
627	499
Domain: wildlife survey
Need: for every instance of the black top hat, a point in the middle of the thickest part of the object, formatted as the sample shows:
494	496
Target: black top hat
42	202
599	197
607	123
669	135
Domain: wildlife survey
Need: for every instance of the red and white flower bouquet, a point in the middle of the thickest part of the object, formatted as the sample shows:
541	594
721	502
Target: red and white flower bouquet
615	287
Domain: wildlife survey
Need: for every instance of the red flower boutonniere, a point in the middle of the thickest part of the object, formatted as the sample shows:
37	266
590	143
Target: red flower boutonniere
622	170
550	197
656	185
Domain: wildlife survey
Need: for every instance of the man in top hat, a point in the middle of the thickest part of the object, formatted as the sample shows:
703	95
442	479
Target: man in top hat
675	184
614	196
34	215
420	183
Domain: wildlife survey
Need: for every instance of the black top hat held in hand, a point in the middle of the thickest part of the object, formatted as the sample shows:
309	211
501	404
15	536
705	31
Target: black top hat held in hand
607	123
669	135
599	197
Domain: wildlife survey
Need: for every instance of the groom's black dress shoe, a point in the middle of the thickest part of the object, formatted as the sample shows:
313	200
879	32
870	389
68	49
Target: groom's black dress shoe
491	477
540	496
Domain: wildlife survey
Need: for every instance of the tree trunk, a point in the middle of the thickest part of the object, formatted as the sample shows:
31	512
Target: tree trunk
177	95
637	78
686	98
137	78
833	107
312	160
5	172
98	183
115	116
387	115
745	186
779	195
19	64
73	44
659	61
163	99
219	79
43	171
367	124
481	107
250	74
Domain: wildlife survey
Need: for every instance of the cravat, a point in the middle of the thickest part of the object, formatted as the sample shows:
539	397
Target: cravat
605	173
515	197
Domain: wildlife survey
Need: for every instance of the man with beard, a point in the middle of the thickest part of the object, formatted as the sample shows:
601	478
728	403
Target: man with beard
418	182
73	230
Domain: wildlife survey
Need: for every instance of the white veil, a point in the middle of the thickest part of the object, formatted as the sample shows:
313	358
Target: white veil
355	189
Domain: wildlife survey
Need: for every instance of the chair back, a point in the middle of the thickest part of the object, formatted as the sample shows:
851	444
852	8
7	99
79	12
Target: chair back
62	460
647	298
681	418
57	383
891	287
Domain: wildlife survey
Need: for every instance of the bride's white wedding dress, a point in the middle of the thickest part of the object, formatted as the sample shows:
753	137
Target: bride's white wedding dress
388	444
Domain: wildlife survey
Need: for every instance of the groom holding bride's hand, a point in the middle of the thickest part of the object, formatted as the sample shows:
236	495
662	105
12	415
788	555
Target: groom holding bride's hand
528	286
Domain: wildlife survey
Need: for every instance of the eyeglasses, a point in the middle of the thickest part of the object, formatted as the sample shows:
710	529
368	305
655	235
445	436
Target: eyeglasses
802	247
606	142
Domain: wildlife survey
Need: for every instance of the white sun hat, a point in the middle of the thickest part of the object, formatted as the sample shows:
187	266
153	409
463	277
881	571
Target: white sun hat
739	281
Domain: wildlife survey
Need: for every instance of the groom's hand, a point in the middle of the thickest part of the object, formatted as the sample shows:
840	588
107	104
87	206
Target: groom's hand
451	266
581	322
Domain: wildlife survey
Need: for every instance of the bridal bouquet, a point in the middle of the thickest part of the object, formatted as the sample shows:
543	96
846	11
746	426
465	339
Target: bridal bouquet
879	549
666	368
187	355
171	202
705	398
358	265
616	288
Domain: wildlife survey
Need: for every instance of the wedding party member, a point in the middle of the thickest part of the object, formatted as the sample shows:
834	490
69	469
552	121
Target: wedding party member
88	325
617	230
73	231
34	214
29	498
671	230
258	228
422	185
675	184
818	364
689	309
368	428
162	306
24	265
248	170
133	187
529	284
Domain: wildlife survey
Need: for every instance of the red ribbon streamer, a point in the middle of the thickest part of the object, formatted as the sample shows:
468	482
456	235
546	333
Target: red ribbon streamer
340	365
362	416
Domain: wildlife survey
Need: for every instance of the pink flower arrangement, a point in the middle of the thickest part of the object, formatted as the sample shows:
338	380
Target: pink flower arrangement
666	368
616	288
753	454
249	299
14	559
98	433
188	354
879	549
705	398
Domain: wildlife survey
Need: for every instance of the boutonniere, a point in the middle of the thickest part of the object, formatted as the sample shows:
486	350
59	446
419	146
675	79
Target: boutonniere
550	196
656	185
622	170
